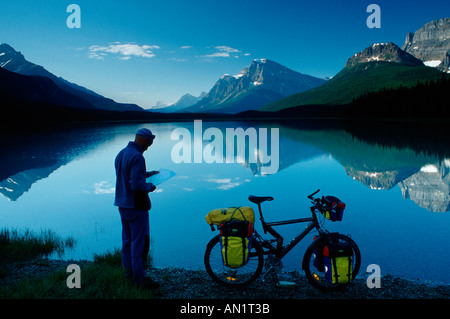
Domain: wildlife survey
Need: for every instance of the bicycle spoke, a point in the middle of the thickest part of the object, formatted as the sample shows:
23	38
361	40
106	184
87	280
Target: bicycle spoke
228	276
316	272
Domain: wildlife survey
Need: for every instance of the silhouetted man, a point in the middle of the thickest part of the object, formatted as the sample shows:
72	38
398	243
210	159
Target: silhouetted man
134	203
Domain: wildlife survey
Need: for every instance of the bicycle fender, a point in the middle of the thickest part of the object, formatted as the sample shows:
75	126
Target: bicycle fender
318	241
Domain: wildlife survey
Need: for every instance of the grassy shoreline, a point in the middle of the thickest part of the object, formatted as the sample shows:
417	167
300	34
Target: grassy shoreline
40	278
26	252
21	246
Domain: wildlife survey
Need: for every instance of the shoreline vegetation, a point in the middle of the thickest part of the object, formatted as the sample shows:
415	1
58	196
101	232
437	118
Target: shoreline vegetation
18	247
27	273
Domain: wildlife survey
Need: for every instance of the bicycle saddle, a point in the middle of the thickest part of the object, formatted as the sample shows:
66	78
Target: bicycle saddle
259	199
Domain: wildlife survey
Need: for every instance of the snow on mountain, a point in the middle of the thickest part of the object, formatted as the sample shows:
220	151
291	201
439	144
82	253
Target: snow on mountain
431	44
262	82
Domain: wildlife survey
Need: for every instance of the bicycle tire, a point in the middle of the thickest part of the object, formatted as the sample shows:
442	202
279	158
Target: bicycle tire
315	276
228	277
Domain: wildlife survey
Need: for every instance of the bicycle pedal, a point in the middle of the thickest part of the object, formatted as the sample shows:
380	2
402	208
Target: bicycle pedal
286	284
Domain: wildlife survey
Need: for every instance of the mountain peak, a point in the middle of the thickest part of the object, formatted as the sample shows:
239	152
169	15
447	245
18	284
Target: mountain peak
10	56
5	47
431	44
14	61
261	61
388	52
262	82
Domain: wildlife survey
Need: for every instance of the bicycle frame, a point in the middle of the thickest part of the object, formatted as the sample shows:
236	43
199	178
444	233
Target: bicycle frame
266	254
280	251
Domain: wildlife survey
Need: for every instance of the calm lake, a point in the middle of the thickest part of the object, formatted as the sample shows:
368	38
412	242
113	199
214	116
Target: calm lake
397	193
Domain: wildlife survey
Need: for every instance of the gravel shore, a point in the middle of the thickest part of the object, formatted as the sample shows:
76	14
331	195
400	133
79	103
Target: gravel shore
180	283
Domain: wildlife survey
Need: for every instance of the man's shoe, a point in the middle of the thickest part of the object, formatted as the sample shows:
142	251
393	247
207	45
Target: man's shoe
147	283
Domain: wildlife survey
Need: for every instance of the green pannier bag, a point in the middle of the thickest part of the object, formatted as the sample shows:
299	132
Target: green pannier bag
221	215
236	242
338	262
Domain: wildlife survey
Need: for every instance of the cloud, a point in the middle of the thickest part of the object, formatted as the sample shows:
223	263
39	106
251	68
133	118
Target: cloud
225	48
218	55
177	59
125	51
229	186
224	183
219	180
223	51
104	188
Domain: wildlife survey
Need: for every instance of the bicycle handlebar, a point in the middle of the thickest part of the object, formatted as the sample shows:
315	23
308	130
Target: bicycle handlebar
319	203
311	196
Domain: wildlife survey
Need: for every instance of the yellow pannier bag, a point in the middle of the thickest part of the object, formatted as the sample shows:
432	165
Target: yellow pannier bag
338	262
221	215
235	251
236	242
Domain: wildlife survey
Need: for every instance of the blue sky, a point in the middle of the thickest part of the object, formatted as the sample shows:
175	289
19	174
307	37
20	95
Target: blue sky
148	51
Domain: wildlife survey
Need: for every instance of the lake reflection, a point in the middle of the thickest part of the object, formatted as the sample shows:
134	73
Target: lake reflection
396	193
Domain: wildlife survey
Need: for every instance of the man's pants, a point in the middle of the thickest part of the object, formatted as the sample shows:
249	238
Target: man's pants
135	242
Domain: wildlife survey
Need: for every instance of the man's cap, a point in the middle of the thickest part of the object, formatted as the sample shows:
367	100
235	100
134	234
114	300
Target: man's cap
145	132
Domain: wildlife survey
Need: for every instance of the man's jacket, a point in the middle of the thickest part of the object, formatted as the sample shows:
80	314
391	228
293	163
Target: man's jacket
131	187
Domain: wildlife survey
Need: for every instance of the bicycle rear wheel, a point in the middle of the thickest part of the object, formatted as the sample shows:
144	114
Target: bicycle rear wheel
229	277
316	274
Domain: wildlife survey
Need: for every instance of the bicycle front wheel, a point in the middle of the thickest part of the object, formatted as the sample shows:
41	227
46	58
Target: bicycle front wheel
317	273
229	277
